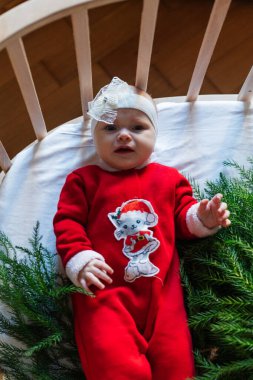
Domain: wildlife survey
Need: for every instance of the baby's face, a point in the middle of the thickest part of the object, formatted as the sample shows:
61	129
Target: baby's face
128	143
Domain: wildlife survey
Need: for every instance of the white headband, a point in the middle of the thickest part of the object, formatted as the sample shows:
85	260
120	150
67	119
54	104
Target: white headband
118	94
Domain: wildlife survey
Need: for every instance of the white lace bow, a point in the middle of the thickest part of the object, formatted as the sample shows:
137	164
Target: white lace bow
104	106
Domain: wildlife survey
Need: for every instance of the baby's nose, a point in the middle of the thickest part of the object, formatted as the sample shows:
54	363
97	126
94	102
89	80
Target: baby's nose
124	135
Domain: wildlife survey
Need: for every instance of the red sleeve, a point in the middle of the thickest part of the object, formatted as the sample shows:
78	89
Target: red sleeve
184	200
70	219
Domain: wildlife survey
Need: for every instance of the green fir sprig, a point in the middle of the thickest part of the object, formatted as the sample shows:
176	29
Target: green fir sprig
38	318
218	281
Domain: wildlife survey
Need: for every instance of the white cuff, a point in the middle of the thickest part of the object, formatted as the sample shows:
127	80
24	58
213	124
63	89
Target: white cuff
78	262
194	224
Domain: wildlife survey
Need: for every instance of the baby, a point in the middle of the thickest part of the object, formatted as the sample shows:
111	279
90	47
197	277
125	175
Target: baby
116	227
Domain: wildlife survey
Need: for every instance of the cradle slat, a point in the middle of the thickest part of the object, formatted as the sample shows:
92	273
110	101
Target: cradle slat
5	162
246	92
33	14
23	74
147	31
217	18
80	21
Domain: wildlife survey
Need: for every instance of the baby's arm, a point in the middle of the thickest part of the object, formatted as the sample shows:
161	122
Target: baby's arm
93	273
213	213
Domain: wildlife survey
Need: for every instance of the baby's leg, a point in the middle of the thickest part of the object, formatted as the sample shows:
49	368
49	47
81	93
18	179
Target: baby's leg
109	344
170	349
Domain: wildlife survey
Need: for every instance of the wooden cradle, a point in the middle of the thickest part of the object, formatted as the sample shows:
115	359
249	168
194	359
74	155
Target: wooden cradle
27	17
34	14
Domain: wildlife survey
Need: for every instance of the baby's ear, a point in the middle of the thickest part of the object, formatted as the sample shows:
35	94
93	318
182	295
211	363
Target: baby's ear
113	218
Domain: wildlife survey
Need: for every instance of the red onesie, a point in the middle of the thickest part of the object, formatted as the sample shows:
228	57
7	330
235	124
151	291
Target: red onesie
136	328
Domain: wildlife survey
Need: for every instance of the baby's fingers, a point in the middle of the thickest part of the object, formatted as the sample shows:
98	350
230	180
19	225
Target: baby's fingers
217	199
226	223
104	267
223	212
85	286
203	205
223	207
223	218
91	279
102	275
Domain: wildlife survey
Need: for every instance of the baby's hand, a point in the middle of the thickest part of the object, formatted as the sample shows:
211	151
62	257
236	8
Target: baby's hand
214	213
92	274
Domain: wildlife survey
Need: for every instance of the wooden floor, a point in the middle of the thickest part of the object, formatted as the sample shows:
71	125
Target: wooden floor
114	38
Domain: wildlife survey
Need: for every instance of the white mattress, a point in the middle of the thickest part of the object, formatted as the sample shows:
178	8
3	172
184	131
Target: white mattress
195	138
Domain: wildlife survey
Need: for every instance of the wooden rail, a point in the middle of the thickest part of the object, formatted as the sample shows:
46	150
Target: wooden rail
217	18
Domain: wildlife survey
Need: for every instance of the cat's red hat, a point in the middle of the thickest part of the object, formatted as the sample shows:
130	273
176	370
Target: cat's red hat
137	205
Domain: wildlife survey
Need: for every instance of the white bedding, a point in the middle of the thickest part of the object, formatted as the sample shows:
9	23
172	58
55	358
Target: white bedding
195	138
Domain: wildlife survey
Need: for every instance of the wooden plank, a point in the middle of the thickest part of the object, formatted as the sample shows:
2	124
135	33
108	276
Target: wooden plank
229	72
246	92
9	4
21	68
207	88
83	55
52	41
213	29
33	14
5	162
122	62
157	85
100	77
6	68
178	38
10	93
45	82
239	18
147	32
15	126
57	106
115	29
176	25
97	14
58	109
62	63
64	104
177	68
15	129
49	41
15	142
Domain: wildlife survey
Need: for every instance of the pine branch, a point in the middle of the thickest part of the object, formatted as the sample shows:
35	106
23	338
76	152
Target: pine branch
218	283
39	317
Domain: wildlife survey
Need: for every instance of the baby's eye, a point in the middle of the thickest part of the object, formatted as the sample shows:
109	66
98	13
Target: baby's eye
138	128
110	127
138	221
125	226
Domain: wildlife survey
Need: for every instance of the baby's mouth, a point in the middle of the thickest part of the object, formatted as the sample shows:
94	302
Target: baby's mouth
124	149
